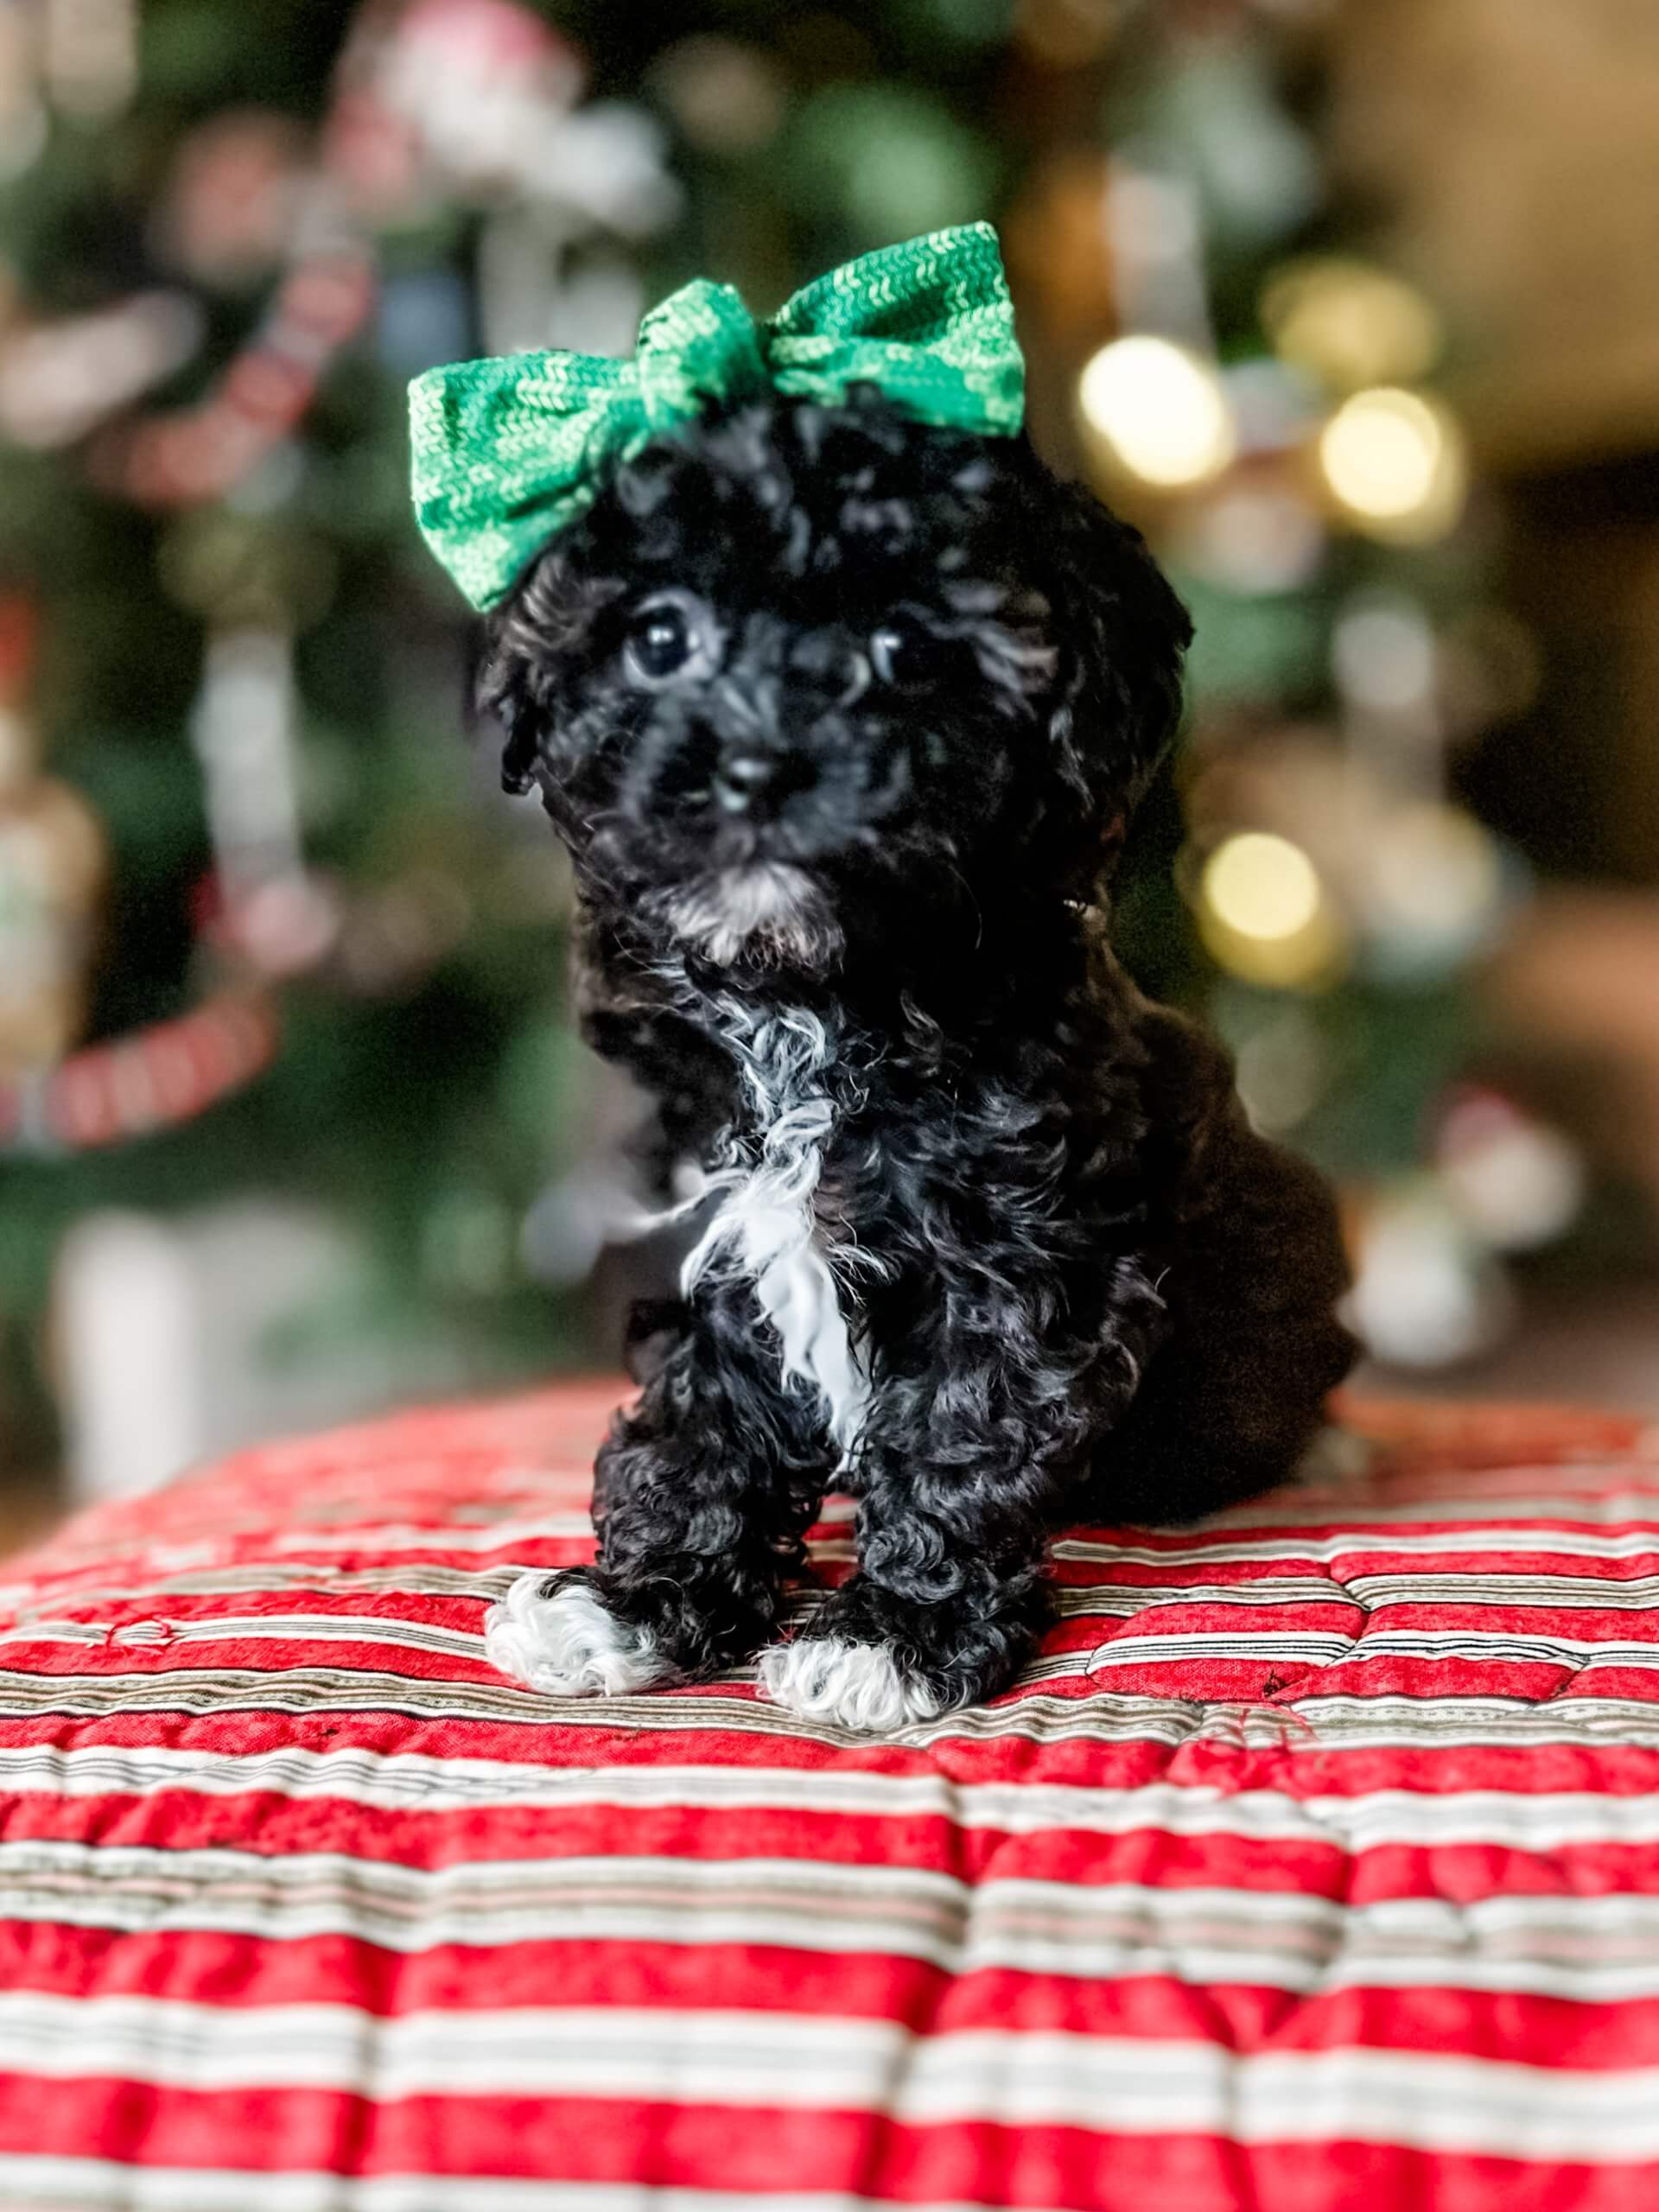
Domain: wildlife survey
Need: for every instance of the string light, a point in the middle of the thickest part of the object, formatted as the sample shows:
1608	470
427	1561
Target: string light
1157	411
1263	912
1394	462
1262	884
1348	324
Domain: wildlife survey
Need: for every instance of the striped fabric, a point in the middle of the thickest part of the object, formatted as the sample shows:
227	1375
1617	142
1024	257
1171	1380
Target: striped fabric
1314	1863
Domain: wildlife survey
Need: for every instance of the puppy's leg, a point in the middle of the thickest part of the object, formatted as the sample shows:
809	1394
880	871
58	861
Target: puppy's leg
703	1495
1235	1397
947	1602
966	1462
1250	1268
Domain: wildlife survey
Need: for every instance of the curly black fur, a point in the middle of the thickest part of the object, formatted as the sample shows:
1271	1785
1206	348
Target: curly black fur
841	719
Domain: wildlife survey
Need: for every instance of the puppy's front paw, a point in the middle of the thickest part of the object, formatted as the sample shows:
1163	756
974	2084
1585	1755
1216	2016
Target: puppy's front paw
854	1685
555	1633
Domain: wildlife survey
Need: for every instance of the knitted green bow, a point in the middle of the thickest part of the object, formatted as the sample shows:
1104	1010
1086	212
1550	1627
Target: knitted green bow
505	452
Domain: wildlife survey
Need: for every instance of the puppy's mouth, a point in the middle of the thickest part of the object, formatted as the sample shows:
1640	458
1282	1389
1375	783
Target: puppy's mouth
766	913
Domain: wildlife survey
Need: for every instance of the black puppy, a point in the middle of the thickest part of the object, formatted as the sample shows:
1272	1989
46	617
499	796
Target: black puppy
842	717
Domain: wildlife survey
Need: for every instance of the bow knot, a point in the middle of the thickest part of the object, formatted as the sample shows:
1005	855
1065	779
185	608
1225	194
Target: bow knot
505	452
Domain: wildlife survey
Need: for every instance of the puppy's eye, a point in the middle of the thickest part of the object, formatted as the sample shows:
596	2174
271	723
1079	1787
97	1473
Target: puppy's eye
671	635
659	642
903	655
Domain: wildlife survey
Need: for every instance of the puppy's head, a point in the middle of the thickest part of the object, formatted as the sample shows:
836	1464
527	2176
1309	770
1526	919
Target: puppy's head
808	674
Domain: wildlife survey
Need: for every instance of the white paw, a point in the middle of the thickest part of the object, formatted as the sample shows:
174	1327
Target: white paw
568	1645
854	1685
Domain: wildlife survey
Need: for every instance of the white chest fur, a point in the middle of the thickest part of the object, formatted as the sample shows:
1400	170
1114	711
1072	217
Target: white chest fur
764	1225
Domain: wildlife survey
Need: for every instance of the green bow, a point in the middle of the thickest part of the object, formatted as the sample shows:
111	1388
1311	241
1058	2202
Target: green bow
505	452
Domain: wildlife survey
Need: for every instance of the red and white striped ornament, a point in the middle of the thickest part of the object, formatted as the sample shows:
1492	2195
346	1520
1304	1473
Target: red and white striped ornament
151	1078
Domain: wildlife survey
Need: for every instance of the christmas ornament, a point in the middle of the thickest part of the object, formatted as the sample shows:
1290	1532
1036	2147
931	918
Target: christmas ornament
536	292
199	453
488	91
475	101
60	380
1427	1291
243	733
152	1079
1517	1183
469	74
1432	892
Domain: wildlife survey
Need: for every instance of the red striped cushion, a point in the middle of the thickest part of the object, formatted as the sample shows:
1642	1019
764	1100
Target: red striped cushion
1312	1865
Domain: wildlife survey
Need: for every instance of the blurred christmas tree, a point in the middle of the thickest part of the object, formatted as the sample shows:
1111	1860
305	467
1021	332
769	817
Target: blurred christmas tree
327	976
327	968
1265	407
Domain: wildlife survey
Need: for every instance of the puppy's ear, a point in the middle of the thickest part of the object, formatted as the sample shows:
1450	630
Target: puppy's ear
501	696
1121	634
518	679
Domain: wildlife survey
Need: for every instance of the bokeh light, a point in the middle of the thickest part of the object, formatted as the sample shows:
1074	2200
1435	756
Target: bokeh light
1156	411
1433	890
1382	655
1262	884
1348	324
1394	462
1263	912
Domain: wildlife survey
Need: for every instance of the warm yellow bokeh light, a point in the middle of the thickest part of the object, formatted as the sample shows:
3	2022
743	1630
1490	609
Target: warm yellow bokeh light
1263	915
1349	323
1381	451
1261	885
1394	464
1157	411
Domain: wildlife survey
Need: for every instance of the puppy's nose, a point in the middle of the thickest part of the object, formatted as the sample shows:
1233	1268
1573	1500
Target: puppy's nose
747	779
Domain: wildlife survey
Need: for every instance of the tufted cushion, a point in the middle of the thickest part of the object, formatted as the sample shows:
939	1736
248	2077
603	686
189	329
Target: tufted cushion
1312	1865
